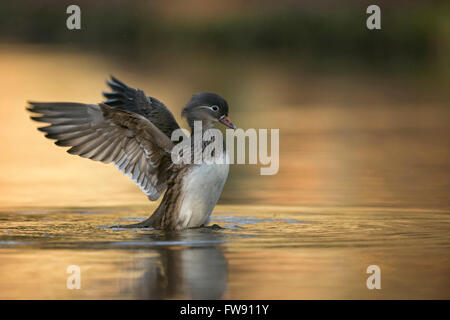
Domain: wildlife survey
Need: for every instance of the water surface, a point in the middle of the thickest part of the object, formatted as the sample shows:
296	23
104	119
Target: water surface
261	253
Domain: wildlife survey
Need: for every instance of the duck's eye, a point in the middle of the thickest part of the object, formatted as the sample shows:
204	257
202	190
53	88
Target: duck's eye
214	108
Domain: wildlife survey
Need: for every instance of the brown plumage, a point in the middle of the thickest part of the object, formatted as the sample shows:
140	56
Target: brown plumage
133	131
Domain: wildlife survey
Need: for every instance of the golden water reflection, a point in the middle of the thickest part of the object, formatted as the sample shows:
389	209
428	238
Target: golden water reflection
262	253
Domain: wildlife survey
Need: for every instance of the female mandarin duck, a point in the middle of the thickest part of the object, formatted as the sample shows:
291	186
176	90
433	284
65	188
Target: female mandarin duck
134	131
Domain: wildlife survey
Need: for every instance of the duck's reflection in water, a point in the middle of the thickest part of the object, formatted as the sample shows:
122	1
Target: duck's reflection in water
188	264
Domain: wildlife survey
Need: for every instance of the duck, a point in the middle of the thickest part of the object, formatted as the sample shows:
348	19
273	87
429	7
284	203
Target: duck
134	131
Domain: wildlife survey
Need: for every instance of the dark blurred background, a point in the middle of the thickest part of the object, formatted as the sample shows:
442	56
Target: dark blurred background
329	34
363	114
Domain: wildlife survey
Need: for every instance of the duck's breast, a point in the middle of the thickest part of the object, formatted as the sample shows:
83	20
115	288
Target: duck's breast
201	189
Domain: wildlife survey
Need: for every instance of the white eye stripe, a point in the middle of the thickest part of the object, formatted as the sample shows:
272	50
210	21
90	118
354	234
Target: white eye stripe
213	107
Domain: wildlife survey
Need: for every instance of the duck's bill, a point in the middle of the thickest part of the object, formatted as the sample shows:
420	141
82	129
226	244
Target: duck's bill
226	121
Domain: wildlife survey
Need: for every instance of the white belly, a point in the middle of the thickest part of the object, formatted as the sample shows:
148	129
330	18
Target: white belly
202	187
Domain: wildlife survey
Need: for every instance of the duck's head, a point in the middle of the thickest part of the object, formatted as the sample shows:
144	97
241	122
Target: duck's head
208	108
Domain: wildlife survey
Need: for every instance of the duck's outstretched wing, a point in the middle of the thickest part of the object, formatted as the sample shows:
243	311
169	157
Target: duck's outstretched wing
98	132
125	98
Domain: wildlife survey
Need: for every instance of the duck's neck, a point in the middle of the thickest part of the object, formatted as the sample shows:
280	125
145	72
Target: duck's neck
198	126
197	134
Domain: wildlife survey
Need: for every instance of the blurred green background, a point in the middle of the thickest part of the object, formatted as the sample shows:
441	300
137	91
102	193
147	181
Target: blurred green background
329	34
